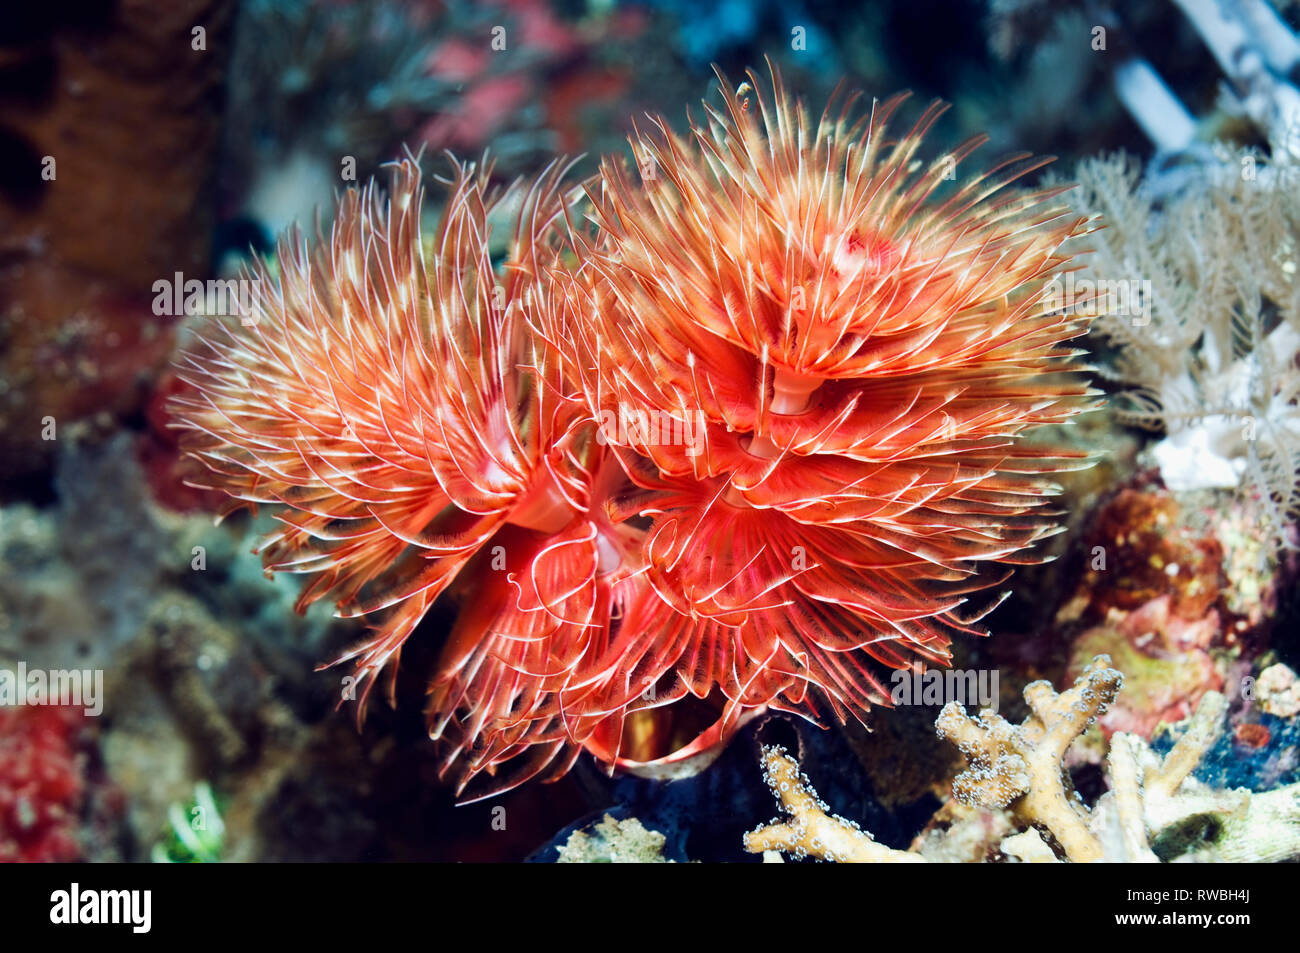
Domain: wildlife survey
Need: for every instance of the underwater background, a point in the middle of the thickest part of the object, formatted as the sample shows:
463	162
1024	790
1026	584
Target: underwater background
148	141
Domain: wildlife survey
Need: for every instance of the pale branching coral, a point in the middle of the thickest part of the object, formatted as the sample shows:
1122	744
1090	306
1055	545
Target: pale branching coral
1154	810
1023	763
809	830
1199	295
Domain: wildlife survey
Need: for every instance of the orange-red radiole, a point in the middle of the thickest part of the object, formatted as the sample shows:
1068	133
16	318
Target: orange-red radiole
727	433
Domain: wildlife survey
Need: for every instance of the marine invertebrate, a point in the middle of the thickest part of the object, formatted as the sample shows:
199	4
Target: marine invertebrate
809	829
1154	810
759	425
817	368
1024	764
613	841
42	785
1199	299
196	832
391	399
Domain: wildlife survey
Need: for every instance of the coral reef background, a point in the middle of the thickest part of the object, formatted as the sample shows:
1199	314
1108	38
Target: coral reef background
148	141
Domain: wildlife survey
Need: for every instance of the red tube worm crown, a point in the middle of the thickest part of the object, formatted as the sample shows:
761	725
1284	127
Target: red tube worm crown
757	426
390	398
857	355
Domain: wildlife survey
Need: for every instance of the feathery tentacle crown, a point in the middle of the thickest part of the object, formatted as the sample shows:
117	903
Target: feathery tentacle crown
388	395
756	424
860	357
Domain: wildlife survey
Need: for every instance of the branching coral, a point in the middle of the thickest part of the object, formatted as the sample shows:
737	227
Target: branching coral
1154	809
809	830
1199	295
1023	764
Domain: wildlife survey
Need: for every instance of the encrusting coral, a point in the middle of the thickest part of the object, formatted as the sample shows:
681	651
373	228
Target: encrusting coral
613	841
1153	810
42	784
430	423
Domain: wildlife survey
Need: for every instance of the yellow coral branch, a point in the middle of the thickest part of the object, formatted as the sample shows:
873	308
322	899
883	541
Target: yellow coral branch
1022	766
1017	773
810	830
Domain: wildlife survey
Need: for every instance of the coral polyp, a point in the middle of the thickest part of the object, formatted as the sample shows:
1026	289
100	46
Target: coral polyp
742	431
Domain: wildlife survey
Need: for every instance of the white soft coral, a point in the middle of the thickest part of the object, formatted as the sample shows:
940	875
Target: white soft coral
1212	360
